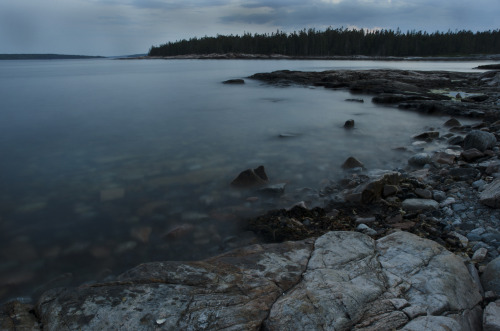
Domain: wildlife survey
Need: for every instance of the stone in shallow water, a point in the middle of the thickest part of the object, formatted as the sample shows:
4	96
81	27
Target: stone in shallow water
419	159
234	81
275	189
31	207
429	135
349	124
456	140
112	194
452	122
352	163
141	233
249	178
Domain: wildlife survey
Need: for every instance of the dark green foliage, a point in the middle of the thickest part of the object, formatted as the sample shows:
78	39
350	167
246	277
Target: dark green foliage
340	42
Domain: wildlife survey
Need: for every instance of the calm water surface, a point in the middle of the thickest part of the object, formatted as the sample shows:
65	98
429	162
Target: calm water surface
107	164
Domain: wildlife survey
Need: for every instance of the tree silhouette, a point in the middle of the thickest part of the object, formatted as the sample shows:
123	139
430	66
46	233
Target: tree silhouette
340	42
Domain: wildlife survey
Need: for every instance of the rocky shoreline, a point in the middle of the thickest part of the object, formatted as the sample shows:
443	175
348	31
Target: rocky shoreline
374	256
243	56
452	165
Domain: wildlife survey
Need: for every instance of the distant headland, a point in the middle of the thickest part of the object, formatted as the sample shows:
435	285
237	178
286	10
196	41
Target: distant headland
45	57
341	42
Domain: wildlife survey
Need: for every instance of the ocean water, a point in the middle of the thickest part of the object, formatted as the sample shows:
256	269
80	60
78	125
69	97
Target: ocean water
106	164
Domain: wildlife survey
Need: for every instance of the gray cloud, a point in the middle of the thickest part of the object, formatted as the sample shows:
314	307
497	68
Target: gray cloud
111	27
424	15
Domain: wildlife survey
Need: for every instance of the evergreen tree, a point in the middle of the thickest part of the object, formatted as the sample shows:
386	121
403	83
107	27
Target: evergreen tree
340	42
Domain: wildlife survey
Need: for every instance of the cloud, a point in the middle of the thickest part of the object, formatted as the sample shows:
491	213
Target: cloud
111	27
391	14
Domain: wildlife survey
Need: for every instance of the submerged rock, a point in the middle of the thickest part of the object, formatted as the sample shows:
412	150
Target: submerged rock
343	280
275	189
419	160
112	194
452	122
429	135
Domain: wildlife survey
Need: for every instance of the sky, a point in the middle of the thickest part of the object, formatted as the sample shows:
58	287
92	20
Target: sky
123	27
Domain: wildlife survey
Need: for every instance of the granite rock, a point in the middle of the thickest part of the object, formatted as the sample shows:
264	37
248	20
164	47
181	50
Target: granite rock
341	281
490	279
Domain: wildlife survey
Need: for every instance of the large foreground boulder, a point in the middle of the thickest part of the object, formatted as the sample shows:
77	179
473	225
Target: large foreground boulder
340	281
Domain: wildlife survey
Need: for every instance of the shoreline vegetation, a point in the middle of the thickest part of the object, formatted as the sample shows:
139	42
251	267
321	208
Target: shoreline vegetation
340	42
46	57
244	56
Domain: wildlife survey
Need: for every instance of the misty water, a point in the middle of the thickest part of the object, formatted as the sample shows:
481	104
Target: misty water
107	164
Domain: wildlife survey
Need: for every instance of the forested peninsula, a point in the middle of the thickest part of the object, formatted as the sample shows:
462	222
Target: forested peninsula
45	57
340	42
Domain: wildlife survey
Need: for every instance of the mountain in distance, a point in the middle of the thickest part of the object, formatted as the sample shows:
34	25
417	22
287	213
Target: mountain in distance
46	57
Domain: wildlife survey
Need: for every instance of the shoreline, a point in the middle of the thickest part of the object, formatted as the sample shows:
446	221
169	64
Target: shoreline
450	177
238	56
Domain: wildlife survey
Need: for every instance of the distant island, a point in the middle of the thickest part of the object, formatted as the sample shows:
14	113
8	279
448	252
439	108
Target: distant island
340	42
45	57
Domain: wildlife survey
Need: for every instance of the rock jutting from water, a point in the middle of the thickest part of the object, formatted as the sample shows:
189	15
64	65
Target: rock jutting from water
349	124
422	91
251	177
234	81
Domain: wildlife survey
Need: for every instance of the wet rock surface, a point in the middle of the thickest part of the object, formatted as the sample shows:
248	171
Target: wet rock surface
344	280
251	177
423	91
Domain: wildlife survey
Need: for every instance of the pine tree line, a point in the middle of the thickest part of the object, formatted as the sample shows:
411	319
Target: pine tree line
340	42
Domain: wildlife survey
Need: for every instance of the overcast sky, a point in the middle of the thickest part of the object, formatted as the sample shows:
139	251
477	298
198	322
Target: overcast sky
120	27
